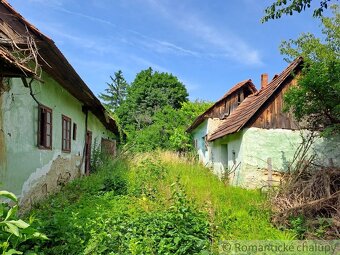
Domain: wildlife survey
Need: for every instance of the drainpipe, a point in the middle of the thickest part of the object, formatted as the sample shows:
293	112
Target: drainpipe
86	111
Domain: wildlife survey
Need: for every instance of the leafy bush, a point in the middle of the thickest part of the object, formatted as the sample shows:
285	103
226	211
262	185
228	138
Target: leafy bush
166	129
133	207
180	229
14	232
144	177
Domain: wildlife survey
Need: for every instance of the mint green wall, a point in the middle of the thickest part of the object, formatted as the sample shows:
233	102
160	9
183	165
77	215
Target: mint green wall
198	135
25	163
227	155
252	148
280	145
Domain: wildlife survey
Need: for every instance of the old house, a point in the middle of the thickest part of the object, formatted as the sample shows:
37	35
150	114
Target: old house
257	141
206	123
50	121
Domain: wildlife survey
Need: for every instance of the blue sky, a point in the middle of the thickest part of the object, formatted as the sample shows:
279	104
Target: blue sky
208	45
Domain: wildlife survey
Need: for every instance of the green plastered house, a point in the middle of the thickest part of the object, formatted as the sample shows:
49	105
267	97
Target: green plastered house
50	121
255	143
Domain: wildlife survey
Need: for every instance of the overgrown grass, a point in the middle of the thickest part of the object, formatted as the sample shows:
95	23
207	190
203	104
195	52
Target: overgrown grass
239	214
152	204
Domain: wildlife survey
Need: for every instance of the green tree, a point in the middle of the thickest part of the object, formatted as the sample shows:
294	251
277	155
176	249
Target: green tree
280	7
167	130
316	99
150	92
116	92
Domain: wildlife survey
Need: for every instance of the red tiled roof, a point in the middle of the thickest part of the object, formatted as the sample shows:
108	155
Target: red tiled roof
250	106
204	115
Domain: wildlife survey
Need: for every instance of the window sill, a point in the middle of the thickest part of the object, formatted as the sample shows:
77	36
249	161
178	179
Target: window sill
44	148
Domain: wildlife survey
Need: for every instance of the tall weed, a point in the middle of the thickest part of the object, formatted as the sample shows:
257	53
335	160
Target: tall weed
157	203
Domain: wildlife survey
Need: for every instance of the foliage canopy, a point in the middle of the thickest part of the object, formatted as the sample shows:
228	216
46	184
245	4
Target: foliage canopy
280	7
116	92
316	99
148	93
168	128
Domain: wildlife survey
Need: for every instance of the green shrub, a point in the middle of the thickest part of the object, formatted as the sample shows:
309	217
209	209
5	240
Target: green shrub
132	207
145	176
116	184
15	233
298	224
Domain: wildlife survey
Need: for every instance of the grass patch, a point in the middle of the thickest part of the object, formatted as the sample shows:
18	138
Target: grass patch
152	204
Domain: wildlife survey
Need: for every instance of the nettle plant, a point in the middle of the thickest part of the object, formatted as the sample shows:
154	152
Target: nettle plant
14	232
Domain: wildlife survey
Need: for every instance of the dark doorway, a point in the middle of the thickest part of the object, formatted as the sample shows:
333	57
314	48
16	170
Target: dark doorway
88	143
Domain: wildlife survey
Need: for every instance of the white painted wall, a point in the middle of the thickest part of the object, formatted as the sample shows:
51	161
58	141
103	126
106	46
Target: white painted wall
198	135
227	155
207	127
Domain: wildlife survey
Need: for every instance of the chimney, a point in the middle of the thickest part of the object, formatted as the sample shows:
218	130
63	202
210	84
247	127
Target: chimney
264	80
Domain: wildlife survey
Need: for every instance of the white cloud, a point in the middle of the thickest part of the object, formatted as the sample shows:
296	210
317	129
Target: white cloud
219	43
160	46
156	45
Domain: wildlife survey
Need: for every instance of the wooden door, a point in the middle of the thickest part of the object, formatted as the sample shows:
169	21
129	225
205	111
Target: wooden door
88	143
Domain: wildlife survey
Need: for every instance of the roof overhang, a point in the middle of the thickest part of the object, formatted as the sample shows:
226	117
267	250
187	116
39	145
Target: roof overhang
55	64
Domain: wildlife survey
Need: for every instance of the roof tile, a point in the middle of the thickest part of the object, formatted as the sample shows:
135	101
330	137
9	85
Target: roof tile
249	106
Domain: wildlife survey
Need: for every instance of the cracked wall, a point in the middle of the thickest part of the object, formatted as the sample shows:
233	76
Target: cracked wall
49	179
246	153
32	173
2	145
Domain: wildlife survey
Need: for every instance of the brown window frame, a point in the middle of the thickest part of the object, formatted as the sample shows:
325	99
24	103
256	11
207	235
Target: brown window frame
74	135
43	137
66	133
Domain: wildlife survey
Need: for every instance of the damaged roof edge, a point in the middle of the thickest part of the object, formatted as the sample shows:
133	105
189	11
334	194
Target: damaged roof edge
80	92
252	104
20	70
236	87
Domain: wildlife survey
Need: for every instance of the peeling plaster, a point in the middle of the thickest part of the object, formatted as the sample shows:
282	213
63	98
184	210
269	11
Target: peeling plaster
32	173
2	145
250	148
35	176
49	178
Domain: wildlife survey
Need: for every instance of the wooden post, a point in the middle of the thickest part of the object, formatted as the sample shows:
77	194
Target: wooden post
270	172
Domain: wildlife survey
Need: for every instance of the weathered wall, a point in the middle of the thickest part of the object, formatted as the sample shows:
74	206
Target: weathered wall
281	144
227	155
248	151
31	172
272	115
198	135
98	130
2	145
50	178
4	86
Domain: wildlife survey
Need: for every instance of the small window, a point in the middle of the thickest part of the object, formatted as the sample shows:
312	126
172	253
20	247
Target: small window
44	127
234	157
74	131
195	144
205	142
66	134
